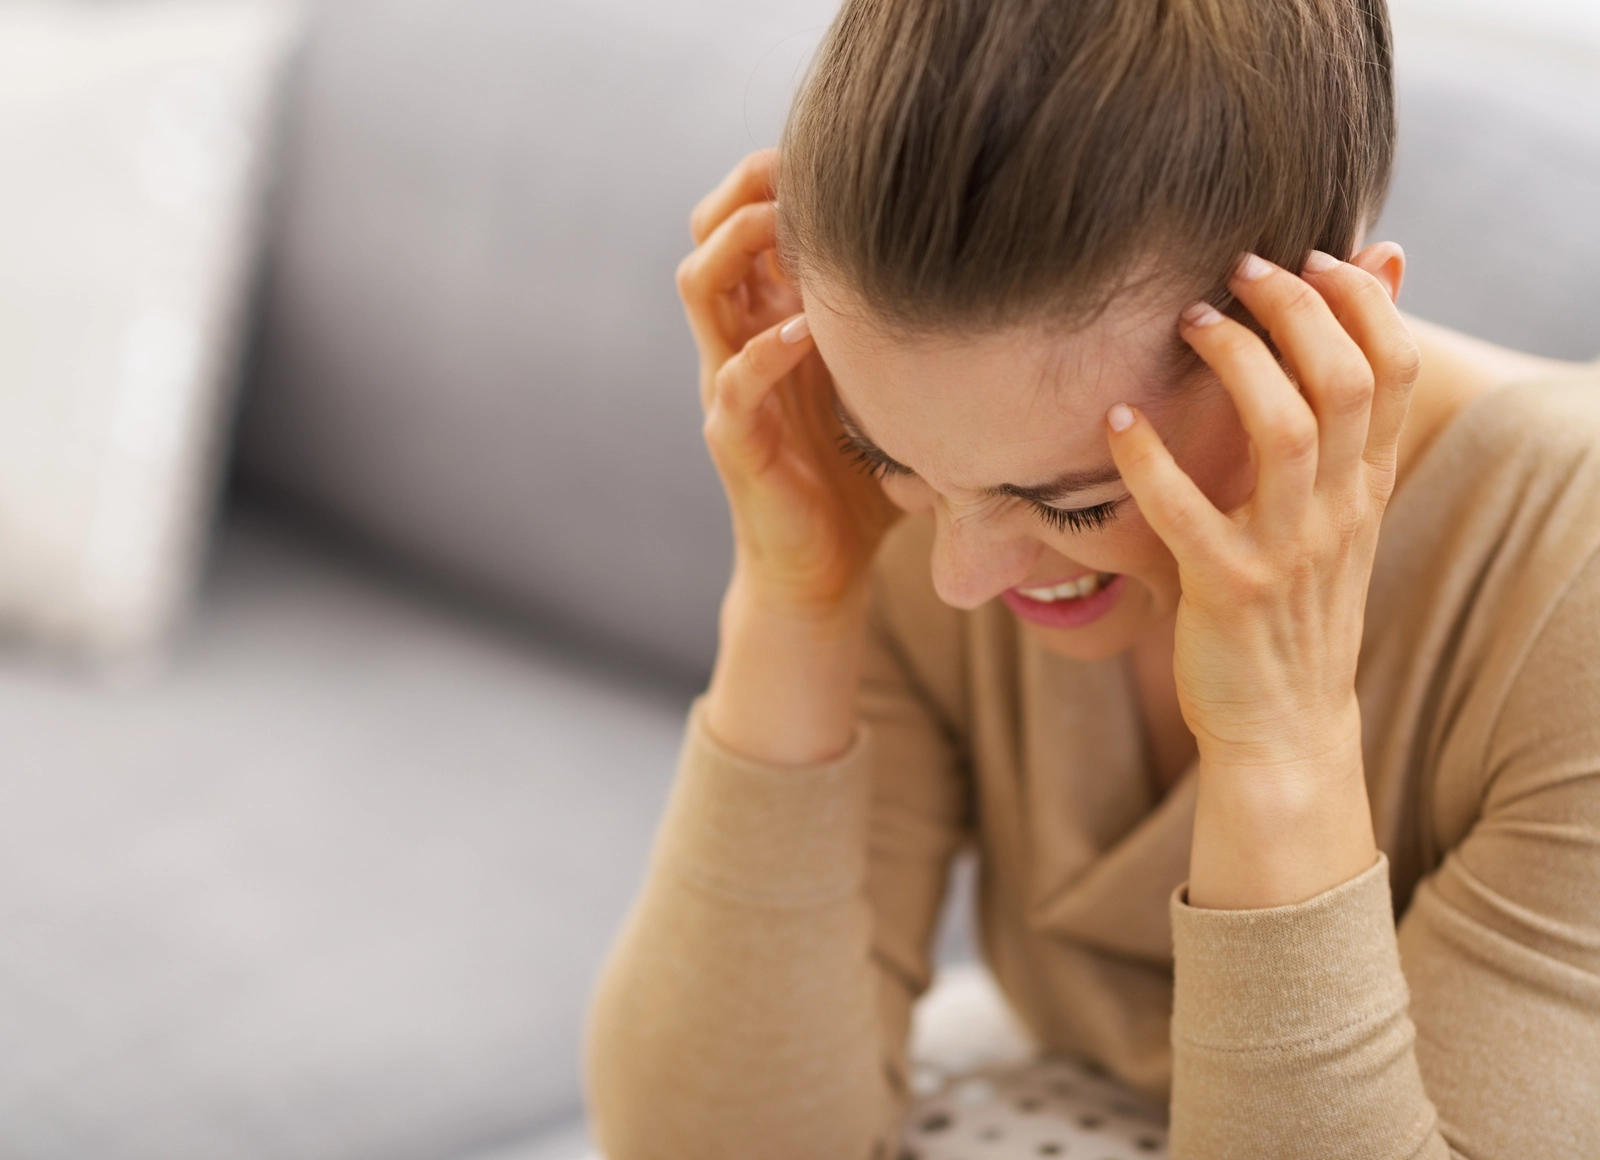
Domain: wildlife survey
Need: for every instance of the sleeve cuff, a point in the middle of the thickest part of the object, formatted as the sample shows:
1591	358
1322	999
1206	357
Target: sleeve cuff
1256	978
765	834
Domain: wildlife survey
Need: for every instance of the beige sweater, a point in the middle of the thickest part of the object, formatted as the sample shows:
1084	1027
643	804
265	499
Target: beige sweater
757	1003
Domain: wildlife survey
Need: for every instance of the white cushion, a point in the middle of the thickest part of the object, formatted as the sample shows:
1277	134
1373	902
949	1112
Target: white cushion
130	133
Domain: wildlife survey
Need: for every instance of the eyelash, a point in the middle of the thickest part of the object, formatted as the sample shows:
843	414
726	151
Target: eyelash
867	461
1077	519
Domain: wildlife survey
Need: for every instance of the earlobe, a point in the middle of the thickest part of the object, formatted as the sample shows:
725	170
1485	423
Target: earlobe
1386	262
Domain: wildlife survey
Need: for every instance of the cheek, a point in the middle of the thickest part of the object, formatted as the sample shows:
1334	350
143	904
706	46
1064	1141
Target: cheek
1127	545
1133	547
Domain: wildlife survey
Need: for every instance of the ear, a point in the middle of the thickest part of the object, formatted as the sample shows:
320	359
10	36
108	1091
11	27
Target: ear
1386	262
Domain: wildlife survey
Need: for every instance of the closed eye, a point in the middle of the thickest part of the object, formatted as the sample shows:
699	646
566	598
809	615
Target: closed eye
869	460
1077	519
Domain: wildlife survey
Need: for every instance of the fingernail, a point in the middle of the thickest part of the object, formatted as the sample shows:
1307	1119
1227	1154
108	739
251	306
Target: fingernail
1201	314
1252	268
1120	417
1320	263
795	329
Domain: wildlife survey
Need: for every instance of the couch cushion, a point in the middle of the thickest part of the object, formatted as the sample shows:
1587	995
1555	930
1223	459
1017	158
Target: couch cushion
1497	180
474	352
334	886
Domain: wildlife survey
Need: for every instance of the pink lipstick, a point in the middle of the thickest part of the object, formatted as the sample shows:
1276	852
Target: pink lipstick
1066	611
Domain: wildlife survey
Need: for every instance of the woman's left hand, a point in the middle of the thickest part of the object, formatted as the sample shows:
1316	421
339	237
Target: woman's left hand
1273	594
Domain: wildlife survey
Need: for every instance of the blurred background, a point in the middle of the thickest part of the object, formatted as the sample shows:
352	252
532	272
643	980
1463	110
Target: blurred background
358	552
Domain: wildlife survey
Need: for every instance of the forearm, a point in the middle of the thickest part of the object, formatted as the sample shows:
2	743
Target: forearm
738	1014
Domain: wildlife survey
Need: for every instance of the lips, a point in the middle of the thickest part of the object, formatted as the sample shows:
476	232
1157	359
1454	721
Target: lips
1061	605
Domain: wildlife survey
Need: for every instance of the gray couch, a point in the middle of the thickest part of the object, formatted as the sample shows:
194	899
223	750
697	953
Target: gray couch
333	882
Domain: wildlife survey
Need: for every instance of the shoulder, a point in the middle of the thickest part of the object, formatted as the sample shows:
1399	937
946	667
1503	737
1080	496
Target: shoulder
1555	414
1549	727
1541	429
1552	435
1529	458
1491	572
1512	484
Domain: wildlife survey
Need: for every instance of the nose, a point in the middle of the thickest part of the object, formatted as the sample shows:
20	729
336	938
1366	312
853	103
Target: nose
974	559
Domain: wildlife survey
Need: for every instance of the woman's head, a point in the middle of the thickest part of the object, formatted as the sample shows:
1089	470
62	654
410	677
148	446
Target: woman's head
996	209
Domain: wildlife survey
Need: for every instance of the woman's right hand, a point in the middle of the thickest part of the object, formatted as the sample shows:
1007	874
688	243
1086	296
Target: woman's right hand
806	521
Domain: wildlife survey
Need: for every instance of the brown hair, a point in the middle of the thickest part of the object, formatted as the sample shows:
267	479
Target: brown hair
969	164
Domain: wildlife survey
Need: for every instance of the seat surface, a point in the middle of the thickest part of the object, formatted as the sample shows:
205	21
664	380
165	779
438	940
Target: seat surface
334	884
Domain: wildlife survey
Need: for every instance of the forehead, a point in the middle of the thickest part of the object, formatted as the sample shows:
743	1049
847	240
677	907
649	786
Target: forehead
1013	406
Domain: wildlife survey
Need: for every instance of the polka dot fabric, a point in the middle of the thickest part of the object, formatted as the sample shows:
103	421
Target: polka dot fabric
1053	1106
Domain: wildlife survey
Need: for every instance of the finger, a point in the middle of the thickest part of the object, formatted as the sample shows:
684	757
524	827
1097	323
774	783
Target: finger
1329	365
745	380
1369	316
1275	416
718	266
1179	512
753	179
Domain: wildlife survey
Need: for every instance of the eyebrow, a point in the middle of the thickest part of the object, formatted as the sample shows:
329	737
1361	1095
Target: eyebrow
1062	485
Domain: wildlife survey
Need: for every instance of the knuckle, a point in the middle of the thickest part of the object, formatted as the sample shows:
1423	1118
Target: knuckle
1243	575
753	217
1256	580
1349	514
1370	296
1177	516
1352	387
725	387
1380	483
1238	343
1292	436
760	161
714	431
1368	286
1297	296
687	273
1144	460
1359	282
1405	361
757	357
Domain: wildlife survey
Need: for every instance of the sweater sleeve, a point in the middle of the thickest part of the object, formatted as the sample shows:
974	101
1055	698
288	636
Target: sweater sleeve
1295	1032
1290	1031
758	999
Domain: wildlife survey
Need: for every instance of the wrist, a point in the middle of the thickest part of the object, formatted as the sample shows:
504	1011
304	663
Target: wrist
1277	825
783	690
1279	740
811	621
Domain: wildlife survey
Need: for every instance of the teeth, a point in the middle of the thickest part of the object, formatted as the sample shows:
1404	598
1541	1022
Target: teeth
1071	590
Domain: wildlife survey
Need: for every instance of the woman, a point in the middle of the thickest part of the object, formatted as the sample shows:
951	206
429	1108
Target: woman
1081	287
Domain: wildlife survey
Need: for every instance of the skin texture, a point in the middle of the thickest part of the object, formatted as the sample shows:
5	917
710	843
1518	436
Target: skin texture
1247	513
